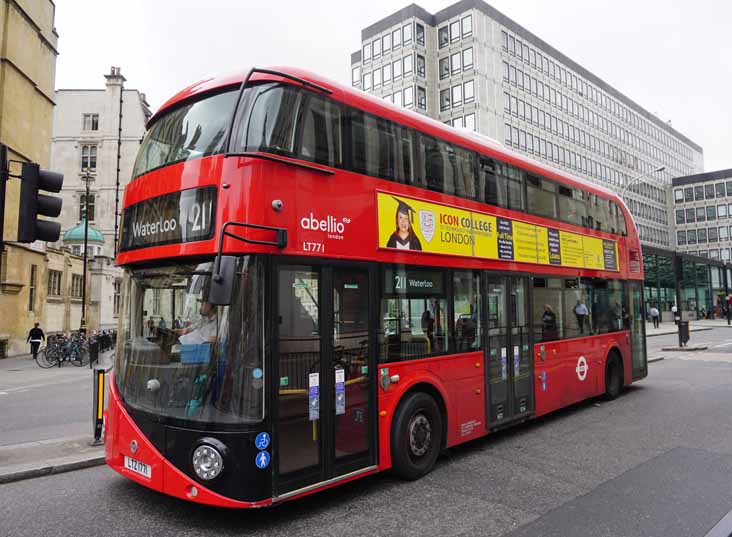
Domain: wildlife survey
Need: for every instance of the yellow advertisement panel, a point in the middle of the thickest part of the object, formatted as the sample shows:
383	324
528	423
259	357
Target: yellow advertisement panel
412	224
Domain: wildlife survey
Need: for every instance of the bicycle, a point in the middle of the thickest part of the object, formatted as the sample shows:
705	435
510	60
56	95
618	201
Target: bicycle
74	349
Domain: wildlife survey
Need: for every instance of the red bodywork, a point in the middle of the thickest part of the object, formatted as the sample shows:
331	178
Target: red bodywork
459	379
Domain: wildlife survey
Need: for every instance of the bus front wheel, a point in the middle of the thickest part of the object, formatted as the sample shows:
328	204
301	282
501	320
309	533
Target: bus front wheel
613	376
416	436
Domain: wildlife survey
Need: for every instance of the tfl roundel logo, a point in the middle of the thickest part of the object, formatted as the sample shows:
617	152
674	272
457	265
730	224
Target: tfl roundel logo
582	368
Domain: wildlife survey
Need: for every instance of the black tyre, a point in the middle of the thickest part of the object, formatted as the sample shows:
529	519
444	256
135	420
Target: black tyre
416	436
44	359
613	376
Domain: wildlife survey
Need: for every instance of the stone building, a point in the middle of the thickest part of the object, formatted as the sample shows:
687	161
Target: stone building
97	132
91	128
28	50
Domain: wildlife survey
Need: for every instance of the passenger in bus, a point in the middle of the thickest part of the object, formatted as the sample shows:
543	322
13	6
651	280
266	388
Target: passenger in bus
548	324
404	237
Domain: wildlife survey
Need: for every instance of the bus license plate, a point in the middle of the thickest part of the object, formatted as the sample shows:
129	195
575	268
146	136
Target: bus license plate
138	467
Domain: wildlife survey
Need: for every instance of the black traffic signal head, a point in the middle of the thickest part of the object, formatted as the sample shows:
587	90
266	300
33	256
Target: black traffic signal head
33	204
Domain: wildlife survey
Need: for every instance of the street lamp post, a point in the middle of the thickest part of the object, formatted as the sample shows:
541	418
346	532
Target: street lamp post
638	178
87	178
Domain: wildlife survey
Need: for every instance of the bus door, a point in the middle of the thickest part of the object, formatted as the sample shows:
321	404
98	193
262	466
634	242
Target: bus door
508	358
324	406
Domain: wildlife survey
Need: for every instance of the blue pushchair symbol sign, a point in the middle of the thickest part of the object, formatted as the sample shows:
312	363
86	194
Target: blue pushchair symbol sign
262	459
262	441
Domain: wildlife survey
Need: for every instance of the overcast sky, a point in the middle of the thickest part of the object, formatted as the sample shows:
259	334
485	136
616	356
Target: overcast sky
673	58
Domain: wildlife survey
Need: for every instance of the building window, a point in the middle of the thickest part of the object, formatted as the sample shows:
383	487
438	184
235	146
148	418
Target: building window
723	233
712	234
505	71
32	288
467	24
89	158
721	211
709	191
504	40
420	34
408	96
701	235
91	122
455	62
444	66
701	215
454	31
408	61
387	73
680	216
377	78
54	283
469	91
678	195
699	193
407	34
507	134
366	82
443	36
457	122
396	38
468	58
117	287
470	122
457	95
719	188
690	216
421	69
83	207
711	213
77	286
356	76
386	43
444	99
396	68
398	98
421	98
367	52
376	48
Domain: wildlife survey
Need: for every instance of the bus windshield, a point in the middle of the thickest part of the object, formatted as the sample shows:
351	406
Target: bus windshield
180	356
194	130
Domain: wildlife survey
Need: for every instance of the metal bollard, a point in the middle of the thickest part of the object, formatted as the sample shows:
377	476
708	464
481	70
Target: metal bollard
93	351
98	418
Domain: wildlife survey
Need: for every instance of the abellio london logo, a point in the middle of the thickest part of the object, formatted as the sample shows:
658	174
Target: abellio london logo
334	227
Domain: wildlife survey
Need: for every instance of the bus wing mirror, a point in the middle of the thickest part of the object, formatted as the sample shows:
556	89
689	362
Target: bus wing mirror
222	281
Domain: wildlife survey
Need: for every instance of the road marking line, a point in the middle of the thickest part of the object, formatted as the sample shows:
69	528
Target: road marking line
723	345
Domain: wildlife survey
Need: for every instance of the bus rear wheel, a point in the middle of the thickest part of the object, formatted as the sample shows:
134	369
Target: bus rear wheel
416	436
613	376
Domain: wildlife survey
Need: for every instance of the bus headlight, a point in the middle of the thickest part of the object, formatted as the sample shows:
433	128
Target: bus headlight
208	459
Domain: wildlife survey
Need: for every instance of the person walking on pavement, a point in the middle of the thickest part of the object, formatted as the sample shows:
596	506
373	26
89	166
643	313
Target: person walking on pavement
35	337
729	309
654	316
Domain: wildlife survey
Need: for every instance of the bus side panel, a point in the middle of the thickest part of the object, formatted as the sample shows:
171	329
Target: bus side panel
574	370
458	380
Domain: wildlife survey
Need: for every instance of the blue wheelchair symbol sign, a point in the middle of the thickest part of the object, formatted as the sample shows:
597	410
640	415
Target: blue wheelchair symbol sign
262	441
262	459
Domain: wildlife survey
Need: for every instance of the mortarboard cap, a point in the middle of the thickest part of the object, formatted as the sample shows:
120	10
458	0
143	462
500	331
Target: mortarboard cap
405	208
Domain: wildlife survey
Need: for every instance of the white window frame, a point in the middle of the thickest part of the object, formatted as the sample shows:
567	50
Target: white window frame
456	95
469	96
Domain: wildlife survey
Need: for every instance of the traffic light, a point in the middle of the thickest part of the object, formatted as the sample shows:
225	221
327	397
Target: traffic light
33	204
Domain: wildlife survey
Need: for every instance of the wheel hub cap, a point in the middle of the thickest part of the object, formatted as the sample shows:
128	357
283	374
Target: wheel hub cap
420	435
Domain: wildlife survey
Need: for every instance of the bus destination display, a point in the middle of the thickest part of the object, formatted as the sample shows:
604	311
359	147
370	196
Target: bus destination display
178	217
412	224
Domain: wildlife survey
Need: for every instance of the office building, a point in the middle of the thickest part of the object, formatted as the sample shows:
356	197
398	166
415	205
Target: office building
470	66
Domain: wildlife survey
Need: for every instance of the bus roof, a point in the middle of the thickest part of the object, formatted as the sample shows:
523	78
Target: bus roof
369	103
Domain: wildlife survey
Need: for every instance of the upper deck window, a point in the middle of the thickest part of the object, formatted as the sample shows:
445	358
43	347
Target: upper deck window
196	129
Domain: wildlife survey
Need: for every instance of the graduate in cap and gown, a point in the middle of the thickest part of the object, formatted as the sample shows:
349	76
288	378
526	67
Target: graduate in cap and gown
404	237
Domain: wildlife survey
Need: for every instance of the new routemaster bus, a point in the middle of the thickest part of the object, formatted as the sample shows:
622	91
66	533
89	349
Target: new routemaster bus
320	285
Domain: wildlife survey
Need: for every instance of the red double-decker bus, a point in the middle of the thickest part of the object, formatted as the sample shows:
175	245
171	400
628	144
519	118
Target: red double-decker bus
320	286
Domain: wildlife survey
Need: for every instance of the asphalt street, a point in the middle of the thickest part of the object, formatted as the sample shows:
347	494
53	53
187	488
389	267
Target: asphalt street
40	404
654	462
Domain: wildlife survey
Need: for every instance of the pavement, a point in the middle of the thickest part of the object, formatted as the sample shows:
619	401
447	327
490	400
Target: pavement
694	326
48	456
